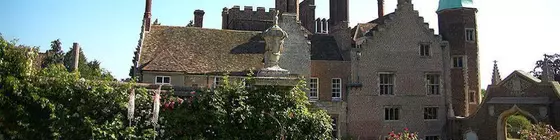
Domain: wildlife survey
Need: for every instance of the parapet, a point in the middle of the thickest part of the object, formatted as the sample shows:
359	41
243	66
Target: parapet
248	17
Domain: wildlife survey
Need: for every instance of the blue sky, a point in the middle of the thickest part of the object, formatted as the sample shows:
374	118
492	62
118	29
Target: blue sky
514	32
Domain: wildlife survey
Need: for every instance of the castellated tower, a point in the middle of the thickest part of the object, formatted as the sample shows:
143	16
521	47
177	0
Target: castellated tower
457	24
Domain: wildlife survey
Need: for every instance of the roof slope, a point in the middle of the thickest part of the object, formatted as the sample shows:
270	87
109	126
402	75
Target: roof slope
452	4
198	50
324	47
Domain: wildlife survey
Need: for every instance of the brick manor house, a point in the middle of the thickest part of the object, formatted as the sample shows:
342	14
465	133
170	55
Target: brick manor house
386	74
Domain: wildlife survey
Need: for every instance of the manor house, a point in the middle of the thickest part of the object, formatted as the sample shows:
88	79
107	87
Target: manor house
382	75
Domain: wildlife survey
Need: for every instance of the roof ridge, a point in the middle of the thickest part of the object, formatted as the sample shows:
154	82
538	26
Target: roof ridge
175	26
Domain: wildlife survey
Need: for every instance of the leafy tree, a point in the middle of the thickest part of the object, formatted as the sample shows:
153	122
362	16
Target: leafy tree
553	63
88	70
483	93
191	23
234	111
516	123
55	55
53	103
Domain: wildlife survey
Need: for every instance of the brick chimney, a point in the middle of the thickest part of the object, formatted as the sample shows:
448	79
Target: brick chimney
380	8
147	15
198	18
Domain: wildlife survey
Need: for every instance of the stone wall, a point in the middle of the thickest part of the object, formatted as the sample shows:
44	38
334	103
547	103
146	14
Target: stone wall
296	54
247	19
395	48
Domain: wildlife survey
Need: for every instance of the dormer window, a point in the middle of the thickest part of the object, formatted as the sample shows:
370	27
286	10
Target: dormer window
163	80
470	34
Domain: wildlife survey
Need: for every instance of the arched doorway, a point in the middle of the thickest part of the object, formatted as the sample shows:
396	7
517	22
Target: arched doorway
515	111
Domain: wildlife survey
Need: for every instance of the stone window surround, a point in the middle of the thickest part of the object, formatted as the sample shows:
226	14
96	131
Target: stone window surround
162	79
379	83
396	116
217	81
472	95
436	113
463	61
421	48
434	137
334	123
339	89
428	84
316	88
470	34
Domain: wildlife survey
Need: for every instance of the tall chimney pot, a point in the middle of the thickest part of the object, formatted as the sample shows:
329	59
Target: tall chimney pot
198	18
380	8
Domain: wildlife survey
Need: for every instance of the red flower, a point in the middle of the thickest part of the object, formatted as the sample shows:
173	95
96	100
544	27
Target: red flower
405	129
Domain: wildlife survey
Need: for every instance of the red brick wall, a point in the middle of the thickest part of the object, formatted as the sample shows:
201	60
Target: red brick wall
325	71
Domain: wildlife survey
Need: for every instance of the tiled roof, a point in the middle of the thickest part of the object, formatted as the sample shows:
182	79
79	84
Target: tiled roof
198	50
324	47
364	29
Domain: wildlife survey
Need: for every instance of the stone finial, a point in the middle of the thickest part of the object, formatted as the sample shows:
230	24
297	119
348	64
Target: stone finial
547	74
274	38
496	74
276	12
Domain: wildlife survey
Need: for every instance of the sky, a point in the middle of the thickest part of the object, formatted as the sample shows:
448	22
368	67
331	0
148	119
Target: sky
516	33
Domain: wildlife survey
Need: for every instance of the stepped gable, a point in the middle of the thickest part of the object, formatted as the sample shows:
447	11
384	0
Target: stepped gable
198	50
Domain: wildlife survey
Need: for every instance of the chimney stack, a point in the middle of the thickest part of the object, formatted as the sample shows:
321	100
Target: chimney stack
147	15
380	9
76	48
198	18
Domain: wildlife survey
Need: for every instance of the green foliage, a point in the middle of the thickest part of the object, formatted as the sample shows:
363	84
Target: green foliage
191	24
55	104
54	55
553	62
540	132
234	111
88	69
516	123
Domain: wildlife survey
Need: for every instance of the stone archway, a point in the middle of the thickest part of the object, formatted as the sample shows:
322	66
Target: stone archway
501	123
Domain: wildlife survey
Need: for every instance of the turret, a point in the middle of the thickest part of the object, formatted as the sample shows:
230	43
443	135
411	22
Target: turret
457	24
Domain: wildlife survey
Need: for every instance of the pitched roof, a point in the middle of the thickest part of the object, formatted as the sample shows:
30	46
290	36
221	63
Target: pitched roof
198	50
364	29
452	4
324	47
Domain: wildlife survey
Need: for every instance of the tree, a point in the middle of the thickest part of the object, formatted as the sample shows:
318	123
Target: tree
516	123
55	55
553	63
88	69
191	24
52	103
55	104
234	111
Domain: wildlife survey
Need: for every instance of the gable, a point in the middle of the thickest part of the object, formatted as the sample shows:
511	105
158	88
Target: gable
517	82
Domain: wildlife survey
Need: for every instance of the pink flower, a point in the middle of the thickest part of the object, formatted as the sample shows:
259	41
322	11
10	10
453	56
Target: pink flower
180	100
405	129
